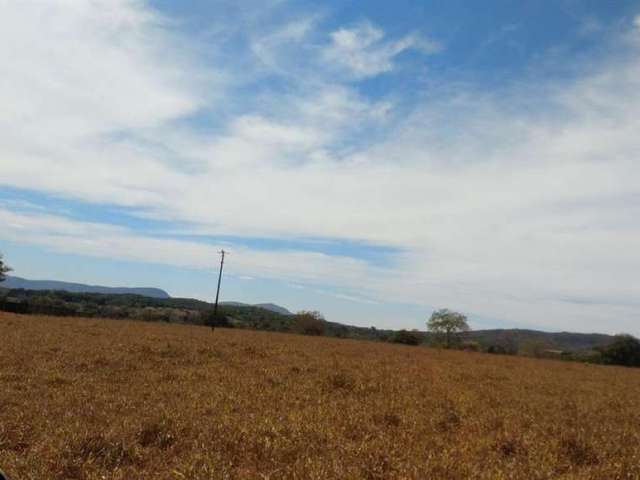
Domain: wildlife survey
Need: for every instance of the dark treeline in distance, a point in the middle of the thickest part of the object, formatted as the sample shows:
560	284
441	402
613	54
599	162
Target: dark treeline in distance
596	348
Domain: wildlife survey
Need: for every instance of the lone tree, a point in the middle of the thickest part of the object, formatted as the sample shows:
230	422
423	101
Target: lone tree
447	323
308	323
4	269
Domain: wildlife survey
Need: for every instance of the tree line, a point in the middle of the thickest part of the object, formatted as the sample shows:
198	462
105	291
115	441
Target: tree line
446	328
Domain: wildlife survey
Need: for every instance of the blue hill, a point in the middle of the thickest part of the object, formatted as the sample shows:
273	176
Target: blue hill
17	282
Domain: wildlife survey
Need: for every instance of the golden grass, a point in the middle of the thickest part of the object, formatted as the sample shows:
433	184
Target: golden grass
102	399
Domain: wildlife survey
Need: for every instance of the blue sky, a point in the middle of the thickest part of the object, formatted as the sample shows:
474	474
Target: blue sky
371	160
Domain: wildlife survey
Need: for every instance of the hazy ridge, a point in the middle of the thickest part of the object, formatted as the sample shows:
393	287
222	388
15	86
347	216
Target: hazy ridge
18	282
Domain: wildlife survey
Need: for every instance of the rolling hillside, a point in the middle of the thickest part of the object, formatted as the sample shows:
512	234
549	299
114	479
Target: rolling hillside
267	306
561	340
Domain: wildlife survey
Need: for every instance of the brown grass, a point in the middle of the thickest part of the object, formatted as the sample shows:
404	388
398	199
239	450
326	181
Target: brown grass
100	399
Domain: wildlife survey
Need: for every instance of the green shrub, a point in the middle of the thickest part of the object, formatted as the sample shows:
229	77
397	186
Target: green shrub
209	318
624	350
406	338
470	346
498	350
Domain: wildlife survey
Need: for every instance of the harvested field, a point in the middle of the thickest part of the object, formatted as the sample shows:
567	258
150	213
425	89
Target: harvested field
104	399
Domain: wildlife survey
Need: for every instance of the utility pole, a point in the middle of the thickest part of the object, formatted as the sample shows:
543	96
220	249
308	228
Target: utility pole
215	308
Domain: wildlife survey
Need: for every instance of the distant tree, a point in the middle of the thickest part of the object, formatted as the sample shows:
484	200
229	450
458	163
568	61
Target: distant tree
535	348
624	350
447	324
4	269
308	323
407	338
498	349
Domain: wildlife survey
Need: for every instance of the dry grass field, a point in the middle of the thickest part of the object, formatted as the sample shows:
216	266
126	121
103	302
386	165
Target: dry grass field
102	399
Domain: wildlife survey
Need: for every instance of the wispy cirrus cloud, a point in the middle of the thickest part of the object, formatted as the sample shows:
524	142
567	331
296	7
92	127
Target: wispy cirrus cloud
362	50
269	47
67	235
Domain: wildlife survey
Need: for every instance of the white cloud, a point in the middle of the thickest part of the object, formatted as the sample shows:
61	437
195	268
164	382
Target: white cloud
111	60
520	206
364	53
268	47
78	75
102	240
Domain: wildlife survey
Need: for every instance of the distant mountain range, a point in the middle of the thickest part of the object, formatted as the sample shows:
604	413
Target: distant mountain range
272	307
17	282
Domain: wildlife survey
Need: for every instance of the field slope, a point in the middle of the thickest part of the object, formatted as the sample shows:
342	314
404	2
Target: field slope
103	399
